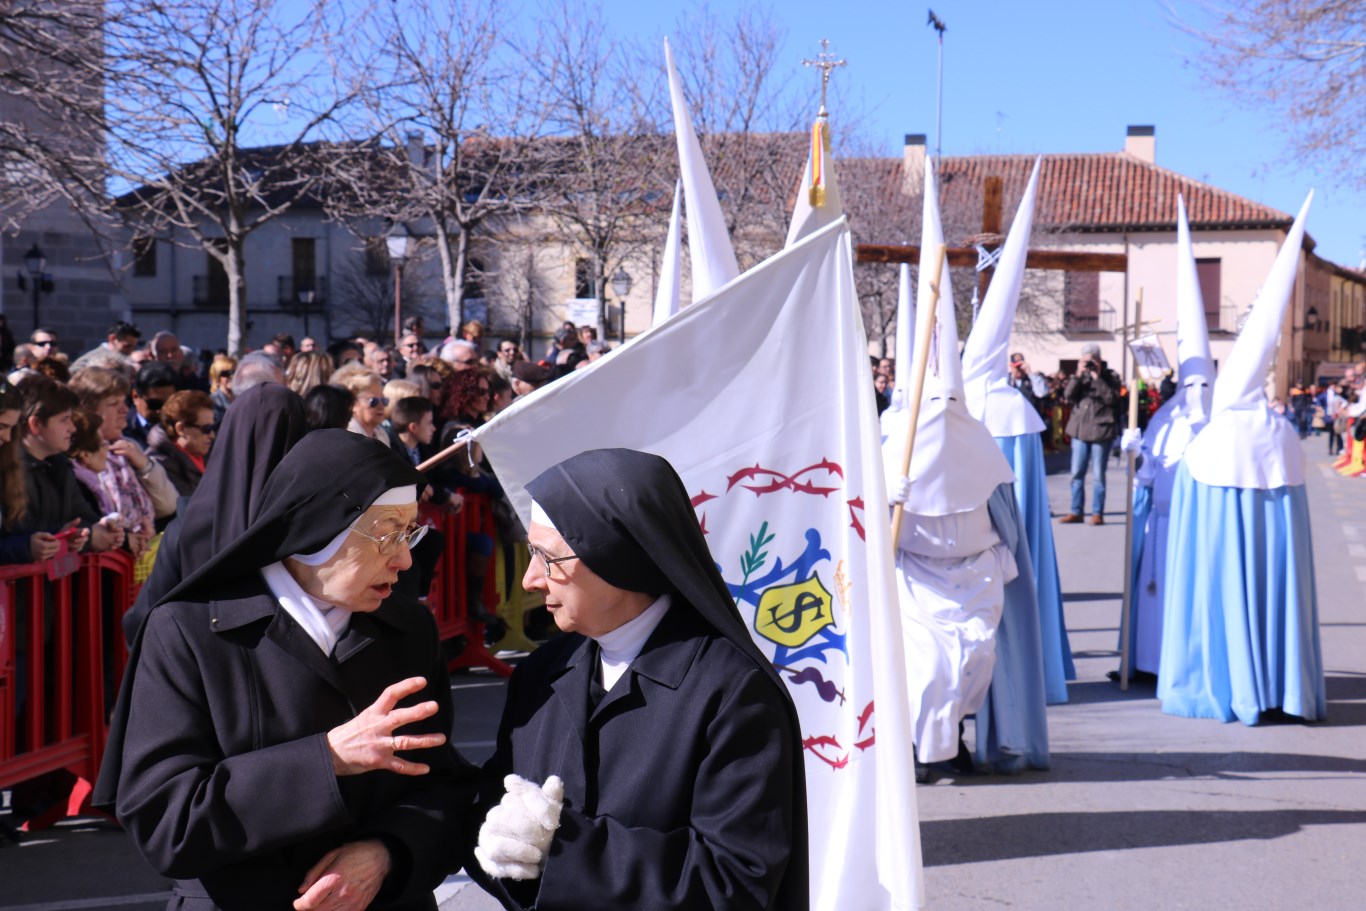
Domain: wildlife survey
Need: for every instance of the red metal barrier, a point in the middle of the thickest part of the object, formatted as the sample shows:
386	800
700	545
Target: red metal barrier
447	597
58	636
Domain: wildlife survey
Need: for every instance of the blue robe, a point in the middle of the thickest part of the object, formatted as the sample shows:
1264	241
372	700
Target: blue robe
1025	455
1143	510
1240	633
1012	723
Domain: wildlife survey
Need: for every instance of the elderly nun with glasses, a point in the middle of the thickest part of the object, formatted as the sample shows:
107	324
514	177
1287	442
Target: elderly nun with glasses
280	736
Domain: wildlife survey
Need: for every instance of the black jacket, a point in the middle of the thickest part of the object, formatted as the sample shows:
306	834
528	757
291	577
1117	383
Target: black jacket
678	790
55	497
223	775
182	471
1094	403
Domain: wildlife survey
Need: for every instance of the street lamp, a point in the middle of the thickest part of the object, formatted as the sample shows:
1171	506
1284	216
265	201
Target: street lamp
36	262
621	284
306	298
398	241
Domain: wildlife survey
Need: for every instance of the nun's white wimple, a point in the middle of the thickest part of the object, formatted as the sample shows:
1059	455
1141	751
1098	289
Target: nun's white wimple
539	517
394	496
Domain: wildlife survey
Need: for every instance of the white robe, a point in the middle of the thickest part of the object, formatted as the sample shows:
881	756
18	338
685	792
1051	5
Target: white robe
951	578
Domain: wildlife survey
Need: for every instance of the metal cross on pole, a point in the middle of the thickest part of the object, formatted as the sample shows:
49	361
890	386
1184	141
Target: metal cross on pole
825	62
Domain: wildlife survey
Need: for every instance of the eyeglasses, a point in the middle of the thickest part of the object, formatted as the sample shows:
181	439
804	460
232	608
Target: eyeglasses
205	428
224	374
546	560
388	544
467	361
378	401
507	350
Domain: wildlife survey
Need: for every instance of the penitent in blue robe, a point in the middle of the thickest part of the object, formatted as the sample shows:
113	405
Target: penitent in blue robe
1011	726
1240	633
1025	455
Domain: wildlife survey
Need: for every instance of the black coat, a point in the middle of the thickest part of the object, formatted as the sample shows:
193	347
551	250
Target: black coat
678	790
224	777
180	468
55	497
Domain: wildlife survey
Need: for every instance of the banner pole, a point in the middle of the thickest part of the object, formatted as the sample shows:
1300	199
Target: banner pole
922	357
1126	606
444	454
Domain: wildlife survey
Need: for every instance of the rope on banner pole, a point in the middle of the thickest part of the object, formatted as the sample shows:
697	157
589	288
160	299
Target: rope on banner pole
1126	606
922	357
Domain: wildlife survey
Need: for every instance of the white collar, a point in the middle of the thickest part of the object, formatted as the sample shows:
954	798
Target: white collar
620	647
323	622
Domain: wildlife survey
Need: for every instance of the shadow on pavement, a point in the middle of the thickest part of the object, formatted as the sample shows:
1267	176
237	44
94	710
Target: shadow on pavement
991	838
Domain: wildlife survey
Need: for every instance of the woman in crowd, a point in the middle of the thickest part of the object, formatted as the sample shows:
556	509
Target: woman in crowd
220	384
17	545
90	460
238	761
466	398
181	442
367	413
308	370
144	492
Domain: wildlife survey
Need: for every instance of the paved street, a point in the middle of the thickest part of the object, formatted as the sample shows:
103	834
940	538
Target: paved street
1140	810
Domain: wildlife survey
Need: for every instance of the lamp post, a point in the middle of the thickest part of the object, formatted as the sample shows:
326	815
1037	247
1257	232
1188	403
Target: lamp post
306	298
621	286
397	241
35	262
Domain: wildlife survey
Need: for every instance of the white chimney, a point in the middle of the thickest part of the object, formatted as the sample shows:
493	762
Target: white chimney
1141	142
913	164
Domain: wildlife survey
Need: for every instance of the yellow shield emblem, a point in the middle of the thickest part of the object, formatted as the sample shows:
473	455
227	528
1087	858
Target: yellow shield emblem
789	615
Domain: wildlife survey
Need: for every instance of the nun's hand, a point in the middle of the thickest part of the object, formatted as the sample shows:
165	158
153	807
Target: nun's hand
368	743
515	837
346	878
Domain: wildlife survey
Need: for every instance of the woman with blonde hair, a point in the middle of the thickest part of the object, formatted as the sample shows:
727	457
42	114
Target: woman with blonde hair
367	414
220	384
308	369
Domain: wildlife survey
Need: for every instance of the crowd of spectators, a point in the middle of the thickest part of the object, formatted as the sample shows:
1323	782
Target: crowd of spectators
98	451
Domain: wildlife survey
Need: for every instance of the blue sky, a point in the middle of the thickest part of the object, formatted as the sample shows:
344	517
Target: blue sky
1045	76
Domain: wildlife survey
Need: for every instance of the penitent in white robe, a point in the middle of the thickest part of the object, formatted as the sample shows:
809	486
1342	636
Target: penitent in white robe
951	576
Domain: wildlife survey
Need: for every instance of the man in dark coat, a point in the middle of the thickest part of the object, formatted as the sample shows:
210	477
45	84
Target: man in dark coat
1093	393
651	756
243	759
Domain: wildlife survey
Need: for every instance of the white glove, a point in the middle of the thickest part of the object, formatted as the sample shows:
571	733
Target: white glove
516	834
900	492
1131	441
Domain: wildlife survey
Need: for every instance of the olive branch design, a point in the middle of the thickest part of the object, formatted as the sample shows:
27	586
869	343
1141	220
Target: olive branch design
754	559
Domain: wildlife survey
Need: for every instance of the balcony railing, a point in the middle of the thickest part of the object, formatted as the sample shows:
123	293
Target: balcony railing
292	288
1225	322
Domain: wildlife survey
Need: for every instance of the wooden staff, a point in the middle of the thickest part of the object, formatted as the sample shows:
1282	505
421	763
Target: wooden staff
1126	607
444	454
922	357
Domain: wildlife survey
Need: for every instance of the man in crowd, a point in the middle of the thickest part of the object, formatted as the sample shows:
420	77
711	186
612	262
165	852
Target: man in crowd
527	377
460	354
1093	392
410	348
381	361
508	354
255	369
44	342
1032	384
165	348
118	343
153	385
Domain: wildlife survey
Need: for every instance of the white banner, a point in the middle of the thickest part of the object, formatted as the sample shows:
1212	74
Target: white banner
760	397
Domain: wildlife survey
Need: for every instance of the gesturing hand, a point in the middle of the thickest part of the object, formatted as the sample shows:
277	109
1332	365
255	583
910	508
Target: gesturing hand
368	742
346	878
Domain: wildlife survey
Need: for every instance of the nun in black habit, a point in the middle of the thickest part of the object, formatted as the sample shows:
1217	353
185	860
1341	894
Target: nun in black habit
280	735
650	758
262	425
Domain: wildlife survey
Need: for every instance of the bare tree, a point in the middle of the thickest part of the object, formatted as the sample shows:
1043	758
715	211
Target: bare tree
519	285
189	87
606	172
441	86
364	297
1303	59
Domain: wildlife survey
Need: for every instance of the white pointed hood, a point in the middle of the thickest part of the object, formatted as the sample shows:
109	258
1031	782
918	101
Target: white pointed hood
1186	413
1246	444
709	248
956	464
990	397
818	195
905	339
667	294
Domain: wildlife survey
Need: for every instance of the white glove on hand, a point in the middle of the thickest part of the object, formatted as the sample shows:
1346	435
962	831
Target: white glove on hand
1131	441
516	834
900	492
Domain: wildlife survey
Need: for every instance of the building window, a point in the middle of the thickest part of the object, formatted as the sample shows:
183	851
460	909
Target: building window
583	279
1207	272
144	257
1081	302
304	264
